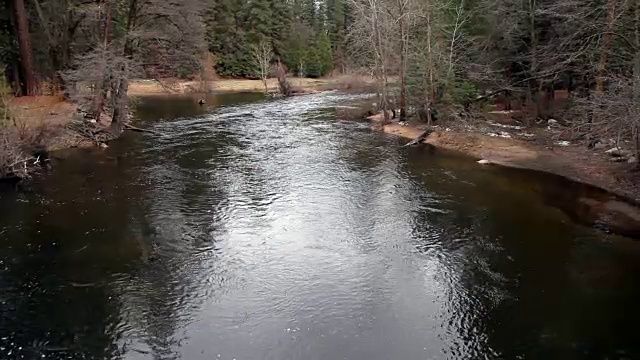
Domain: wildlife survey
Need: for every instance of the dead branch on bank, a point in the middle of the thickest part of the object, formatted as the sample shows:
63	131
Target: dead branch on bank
420	139
137	129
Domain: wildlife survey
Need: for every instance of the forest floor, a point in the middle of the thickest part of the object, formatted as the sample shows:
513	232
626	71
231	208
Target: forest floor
535	149
143	87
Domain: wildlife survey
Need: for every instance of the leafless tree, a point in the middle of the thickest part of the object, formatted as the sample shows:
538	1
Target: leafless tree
262	55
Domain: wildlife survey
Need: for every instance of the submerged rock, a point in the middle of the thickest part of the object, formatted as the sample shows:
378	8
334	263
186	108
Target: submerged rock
616	215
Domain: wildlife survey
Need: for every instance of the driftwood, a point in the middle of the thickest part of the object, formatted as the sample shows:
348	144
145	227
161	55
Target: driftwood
419	139
90	131
137	129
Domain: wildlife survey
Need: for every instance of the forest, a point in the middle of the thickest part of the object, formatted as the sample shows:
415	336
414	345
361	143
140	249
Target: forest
573	60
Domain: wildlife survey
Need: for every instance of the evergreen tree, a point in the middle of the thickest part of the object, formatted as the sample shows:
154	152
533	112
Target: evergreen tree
324	54
282	14
228	39
259	19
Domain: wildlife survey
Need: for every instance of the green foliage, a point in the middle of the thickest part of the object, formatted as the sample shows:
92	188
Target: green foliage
464	91
324	54
300	32
258	23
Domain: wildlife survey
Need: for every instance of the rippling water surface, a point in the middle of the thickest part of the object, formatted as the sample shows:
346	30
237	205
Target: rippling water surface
270	229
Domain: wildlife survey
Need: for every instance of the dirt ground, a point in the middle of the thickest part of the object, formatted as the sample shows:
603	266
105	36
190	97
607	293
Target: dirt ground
574	161
46	118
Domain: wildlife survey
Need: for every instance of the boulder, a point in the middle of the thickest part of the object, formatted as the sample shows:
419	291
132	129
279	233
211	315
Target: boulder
599	146
614	152
619	152
552	122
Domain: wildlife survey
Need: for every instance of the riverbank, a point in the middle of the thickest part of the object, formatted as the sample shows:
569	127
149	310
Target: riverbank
142	87
39	125
537	152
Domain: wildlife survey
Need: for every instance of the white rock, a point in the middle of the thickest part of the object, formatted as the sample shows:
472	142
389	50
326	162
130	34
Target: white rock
484	162
552	122
563	143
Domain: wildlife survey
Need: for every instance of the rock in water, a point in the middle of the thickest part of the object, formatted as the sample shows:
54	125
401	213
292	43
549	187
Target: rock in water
484	162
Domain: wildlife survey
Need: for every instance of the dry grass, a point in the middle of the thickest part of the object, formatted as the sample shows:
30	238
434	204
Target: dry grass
35	124
354	83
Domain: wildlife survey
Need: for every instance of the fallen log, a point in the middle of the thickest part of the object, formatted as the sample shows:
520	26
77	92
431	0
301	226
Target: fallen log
137	129
419	139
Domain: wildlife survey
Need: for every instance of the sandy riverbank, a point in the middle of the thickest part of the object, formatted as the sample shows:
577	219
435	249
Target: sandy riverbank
573	162
173	86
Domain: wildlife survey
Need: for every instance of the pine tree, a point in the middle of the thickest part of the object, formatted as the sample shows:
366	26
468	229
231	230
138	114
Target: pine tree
337	23
227	38
259	20
281	26
324	54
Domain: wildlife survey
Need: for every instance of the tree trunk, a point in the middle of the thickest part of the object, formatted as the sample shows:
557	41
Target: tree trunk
380	69
120	96
533	91
604	48
403	62
101	90
636	82
431	91
26	51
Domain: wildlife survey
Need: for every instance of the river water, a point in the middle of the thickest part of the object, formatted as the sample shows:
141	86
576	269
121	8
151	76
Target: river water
270	229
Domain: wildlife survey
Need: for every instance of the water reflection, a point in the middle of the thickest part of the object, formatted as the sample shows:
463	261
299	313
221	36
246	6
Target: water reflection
268	229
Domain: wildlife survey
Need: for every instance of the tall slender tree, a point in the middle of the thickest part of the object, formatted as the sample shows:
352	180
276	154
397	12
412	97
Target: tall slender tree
31	84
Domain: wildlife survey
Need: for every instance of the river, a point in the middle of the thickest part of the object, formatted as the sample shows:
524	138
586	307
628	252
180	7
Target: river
269	229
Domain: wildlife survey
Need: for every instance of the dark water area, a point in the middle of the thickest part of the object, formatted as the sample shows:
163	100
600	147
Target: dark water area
269	229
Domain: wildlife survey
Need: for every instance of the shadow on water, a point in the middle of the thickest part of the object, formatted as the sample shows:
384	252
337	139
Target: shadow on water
270	229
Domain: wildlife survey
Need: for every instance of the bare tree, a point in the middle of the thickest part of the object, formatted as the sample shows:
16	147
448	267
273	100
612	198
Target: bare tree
372	29
262	54
404	14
